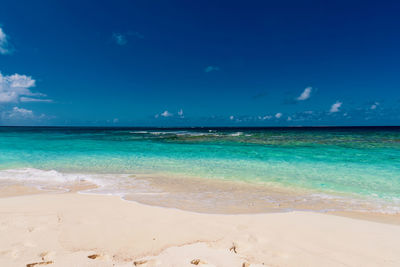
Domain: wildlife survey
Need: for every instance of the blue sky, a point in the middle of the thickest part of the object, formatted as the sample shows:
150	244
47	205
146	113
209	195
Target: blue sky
199	63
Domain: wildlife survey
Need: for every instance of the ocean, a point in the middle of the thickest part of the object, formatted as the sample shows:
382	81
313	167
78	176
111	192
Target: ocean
209	169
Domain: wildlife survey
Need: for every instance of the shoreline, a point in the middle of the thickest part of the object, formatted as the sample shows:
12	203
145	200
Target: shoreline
166	199
67	228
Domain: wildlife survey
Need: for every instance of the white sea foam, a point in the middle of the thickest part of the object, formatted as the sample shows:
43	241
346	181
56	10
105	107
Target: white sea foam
184	133
361	204
110	184
139	132
36	175
159	133
236	134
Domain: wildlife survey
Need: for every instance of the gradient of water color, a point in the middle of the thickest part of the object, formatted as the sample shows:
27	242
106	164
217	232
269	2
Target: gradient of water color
360	163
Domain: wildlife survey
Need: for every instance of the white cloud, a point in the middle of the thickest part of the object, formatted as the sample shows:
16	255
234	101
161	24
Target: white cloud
266	117
374	106
15	88
231	117
21	112
17	113
180	113
122	38
211	68
305	95
166	114
30	99
278	115
119	38
5	47
335	107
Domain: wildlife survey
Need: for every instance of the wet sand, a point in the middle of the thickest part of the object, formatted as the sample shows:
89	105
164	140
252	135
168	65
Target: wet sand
229	197
212	196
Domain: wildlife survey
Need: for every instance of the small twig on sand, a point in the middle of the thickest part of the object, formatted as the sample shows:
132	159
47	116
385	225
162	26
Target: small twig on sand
137	263
39	263
233	248
94	256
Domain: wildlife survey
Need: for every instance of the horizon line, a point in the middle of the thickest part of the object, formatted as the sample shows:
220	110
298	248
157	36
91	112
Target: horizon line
191	127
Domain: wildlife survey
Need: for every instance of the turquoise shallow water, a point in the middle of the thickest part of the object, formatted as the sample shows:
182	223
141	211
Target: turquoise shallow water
358	162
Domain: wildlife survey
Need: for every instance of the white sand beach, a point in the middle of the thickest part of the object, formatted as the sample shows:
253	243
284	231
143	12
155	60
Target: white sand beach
71	229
